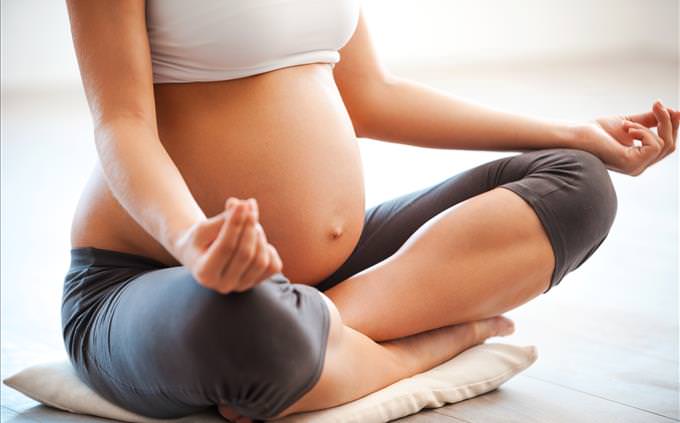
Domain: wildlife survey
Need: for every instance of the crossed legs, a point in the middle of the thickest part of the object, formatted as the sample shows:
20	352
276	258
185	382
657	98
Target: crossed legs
432	267
475	245
428	278
475	260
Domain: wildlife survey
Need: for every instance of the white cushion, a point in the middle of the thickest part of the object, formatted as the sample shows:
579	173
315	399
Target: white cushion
475	371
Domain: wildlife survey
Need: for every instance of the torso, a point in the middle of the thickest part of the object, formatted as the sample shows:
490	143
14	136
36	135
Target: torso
283	137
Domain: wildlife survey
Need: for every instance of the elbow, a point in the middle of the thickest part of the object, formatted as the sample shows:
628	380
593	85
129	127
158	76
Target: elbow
368	102
123	124
115	138
359	128
364	122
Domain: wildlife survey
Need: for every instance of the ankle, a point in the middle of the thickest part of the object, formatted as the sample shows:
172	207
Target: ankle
402	358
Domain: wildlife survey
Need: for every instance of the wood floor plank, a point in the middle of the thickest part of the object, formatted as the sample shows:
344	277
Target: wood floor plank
621	355
527	400
7	414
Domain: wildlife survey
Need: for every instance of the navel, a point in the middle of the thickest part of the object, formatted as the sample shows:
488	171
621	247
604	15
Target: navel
336	232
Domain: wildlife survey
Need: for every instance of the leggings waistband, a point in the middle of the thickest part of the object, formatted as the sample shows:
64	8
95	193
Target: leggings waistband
92	256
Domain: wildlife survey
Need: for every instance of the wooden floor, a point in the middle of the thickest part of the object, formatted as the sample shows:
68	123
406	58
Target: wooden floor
607	337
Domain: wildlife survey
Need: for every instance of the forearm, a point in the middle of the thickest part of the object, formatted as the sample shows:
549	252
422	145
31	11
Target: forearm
408	112
145	180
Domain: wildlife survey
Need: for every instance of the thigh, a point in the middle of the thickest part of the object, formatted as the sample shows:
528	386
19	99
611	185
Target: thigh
388	225
164	346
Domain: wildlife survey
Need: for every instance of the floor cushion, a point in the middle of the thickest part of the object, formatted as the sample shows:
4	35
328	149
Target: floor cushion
473	372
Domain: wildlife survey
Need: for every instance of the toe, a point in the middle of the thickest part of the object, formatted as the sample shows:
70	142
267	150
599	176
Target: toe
493	326
505	326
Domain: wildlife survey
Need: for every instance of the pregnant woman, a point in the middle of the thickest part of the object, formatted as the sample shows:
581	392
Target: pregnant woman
221	250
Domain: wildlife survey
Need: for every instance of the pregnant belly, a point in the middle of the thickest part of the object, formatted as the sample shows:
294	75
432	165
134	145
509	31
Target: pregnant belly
284	138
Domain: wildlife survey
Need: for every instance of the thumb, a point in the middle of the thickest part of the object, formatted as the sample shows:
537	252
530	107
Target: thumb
650	146
206	231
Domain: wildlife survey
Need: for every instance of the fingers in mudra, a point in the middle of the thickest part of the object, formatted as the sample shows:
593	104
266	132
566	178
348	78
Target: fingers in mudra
227	258
220	251
244	252
675	115
267	260
655	146
664	129
257	269
240	257
644	155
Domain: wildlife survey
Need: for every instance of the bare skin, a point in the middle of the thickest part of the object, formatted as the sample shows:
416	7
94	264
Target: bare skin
398	359
474	263
245	139
458	256
172	154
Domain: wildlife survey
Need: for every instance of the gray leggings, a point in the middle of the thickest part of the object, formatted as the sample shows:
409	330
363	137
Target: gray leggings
151	339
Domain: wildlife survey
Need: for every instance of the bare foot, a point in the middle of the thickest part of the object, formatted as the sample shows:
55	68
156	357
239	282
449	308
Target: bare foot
231	415
494	326
425	350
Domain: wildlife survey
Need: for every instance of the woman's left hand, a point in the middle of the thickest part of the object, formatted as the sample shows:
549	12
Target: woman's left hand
612	139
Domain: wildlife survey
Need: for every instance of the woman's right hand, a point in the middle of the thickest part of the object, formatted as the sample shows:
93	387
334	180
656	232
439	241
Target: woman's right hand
229	252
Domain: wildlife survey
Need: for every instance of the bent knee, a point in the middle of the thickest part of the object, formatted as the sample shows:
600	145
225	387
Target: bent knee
326	387
573	194
593	191
578	181
259	350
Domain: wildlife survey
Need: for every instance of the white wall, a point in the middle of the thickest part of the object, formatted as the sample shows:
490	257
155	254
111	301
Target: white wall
464	31
37	45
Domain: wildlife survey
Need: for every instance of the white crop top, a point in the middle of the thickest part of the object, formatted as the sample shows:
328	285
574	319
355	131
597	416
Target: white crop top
215	40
